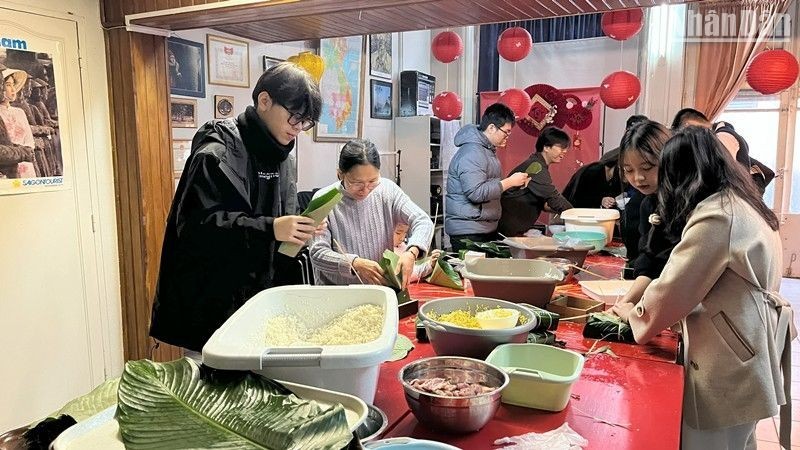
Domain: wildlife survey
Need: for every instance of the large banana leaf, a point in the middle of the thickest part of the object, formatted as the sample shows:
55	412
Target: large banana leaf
92	403
444	275
389	263
318	209
180	404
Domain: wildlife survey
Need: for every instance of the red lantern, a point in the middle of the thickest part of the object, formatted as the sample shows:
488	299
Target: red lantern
620	90
514	44
622	25
516	99
447	106
447	46
772	71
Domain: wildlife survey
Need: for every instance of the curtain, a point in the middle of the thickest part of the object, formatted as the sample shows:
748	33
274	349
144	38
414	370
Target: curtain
721	66
542	30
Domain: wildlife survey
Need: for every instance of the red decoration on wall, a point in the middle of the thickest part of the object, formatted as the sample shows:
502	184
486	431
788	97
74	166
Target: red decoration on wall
447	106
579	116
516	99
514	44
622	25
620	90
447	46
772	71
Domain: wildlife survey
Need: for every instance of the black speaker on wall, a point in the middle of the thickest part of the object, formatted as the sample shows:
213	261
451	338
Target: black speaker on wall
416	93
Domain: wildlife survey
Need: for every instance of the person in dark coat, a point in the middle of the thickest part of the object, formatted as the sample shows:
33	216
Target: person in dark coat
594	185
737	146
231	208
522	206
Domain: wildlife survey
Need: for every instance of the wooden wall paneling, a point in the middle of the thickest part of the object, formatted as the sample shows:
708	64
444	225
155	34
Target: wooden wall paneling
143	177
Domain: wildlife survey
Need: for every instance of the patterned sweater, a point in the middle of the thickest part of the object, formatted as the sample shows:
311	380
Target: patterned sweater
365	229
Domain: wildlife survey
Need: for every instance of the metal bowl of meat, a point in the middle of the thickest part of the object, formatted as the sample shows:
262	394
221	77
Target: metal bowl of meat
453	394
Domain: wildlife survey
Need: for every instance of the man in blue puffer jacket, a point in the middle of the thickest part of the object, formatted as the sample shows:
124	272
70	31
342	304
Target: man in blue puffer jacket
475	179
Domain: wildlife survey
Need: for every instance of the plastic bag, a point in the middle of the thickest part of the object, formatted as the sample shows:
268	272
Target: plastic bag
562	438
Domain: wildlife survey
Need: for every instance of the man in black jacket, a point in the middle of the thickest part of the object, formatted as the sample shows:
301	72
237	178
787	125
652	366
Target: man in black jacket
234	202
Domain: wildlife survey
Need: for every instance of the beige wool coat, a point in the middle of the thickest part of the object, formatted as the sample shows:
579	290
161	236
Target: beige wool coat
717	284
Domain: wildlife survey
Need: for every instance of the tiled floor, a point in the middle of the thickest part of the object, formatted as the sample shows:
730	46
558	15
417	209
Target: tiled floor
766	431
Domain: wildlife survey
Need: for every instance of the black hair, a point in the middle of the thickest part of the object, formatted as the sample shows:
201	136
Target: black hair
497	114
358	152
694	166
647	138
685	115
551	136
291	87
633	120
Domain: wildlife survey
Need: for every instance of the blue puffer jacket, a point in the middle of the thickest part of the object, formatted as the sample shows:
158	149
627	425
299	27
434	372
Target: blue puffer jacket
473	185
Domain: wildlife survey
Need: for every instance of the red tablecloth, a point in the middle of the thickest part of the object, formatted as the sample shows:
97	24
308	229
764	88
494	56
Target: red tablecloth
640	391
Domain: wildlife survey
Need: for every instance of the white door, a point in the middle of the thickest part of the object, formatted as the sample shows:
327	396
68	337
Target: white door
50	313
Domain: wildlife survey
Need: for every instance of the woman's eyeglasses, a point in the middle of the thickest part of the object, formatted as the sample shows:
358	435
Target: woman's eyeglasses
360	185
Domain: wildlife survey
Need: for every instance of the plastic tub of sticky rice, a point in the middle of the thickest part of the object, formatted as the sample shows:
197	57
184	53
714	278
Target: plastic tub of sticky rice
332	337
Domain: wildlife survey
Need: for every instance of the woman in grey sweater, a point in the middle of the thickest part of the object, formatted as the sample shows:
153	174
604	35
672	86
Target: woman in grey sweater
363	222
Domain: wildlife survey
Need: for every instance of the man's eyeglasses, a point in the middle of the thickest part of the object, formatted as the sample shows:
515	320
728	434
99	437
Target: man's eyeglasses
504	131
360	185
298	119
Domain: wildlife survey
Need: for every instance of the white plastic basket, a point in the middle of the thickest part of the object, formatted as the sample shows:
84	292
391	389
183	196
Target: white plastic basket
239	343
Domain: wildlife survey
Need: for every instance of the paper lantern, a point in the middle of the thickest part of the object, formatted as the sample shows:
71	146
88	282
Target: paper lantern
313	64
620	89
514	44
447	46
622	25
772	71
516	99
447	106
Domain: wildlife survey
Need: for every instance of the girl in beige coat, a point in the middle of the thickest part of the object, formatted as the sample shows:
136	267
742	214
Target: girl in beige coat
721	284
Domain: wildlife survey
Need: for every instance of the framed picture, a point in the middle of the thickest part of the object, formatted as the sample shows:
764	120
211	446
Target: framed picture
186	68
341	88
380	99
228	61
183	112
380	55
269	61
223	106
181	149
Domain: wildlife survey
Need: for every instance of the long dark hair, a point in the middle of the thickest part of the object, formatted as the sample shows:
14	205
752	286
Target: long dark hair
694	166
645	137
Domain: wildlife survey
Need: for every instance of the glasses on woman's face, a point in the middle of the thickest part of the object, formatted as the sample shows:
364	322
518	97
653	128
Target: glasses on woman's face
360	185
296	119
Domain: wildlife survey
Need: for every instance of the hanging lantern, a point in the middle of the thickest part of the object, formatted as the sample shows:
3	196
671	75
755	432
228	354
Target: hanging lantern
313	64
514	44
620	90
772	71
447	46
622	25
516	99
447	106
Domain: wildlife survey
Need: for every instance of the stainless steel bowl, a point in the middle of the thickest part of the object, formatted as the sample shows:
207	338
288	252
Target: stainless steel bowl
450	340
373	425
453	414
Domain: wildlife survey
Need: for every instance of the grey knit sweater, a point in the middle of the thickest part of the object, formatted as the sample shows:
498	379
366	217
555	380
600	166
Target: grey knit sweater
365	229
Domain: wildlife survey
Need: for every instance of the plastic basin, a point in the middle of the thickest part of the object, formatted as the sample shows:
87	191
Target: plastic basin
515	280
595	239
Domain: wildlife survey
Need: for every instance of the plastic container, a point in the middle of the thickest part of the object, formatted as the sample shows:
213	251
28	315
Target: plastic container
515	280
239	343
596	239
591	219
451	340
404	443
540	376
606	291
498	318
546	247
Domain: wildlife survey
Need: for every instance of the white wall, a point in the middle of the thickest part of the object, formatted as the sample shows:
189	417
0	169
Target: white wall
576	64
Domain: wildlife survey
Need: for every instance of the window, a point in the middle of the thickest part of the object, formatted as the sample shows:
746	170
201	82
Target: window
755	117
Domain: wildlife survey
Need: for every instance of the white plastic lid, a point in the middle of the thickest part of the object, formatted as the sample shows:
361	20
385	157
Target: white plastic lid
597	214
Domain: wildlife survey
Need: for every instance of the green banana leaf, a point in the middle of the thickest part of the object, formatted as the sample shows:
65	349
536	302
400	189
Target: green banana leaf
534	168
180	404
92	403
444	275
389	263
318	209
402	346
491	249
607	327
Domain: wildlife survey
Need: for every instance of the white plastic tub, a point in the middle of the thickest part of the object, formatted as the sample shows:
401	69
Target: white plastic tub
540	376
591	219
353	369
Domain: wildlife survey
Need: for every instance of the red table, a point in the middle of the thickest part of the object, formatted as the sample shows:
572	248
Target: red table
640	391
